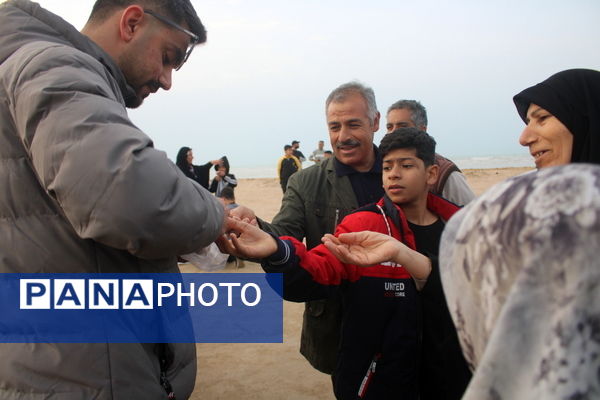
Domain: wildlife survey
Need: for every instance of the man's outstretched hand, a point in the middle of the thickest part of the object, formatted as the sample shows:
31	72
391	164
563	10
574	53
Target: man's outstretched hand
243	213
245	240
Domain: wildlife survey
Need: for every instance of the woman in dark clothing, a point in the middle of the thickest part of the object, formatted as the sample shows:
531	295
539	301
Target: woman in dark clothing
198	173
562	115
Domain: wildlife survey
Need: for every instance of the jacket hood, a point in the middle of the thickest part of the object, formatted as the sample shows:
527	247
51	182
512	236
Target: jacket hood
24	22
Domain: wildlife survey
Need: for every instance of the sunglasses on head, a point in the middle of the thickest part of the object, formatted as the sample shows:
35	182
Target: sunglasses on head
193	41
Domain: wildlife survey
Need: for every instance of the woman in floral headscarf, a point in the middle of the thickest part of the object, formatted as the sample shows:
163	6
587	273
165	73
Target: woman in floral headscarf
522	281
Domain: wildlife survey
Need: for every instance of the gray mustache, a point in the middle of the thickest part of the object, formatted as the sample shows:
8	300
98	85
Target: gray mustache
349	142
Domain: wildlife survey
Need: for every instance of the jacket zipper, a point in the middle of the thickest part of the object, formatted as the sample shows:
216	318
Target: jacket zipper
337	216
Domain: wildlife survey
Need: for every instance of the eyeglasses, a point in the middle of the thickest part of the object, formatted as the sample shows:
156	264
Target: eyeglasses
193	41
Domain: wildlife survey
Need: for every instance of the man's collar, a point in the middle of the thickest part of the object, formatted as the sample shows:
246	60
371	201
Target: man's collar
342	169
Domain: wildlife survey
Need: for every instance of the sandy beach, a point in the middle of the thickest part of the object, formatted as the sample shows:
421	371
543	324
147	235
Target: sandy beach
278	371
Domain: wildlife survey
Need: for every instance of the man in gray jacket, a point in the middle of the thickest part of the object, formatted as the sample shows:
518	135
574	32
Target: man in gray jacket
83	189
319	197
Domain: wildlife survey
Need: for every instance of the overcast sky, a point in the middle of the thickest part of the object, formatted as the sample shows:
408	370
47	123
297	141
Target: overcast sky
262	78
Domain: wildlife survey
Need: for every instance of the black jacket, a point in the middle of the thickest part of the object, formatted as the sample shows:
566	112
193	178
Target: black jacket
198	173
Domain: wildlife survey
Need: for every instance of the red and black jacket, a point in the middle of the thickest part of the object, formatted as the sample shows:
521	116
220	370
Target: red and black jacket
381	318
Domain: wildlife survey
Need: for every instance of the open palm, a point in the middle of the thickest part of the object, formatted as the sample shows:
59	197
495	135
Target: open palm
363	248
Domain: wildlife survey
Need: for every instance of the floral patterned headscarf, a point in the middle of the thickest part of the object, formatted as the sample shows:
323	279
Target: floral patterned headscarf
521	272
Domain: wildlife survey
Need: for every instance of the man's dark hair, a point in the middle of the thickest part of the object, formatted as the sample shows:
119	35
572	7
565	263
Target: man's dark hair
328	152
410	138
287	146
181	11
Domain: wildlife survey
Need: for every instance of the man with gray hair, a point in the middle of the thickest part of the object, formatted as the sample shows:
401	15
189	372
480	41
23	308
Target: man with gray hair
451	183
84	190
319	197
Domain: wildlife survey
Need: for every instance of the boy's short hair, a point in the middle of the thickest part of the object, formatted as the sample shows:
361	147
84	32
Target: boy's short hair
410	138
227	193
287	146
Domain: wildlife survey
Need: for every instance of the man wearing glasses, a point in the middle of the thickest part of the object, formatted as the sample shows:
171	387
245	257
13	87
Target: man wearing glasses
83	189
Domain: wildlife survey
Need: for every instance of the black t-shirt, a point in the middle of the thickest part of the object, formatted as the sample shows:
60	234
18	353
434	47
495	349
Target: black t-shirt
444	374
427	237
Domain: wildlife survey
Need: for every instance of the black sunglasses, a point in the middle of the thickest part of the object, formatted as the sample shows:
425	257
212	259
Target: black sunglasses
193	41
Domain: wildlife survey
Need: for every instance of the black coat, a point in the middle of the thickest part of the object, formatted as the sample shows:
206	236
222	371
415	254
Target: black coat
199	173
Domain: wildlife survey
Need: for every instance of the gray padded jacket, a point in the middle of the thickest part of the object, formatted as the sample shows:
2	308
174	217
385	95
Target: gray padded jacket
83	190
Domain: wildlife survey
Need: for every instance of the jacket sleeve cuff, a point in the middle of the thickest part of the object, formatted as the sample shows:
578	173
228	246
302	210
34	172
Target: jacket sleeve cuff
283	254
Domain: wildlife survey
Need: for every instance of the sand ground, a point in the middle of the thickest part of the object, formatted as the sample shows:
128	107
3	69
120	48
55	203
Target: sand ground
278	371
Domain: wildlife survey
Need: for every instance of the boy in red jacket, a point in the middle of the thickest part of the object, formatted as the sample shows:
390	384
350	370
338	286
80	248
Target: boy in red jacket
397	337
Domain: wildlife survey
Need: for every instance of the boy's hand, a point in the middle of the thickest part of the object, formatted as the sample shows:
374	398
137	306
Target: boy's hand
372	248
363	248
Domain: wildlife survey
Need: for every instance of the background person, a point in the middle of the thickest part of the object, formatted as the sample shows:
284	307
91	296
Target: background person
228	198
222	178
83	189
451	183
287	165
297	153
562	117
319	154
198	173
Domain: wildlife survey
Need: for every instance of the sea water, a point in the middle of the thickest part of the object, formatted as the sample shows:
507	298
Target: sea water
477	162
